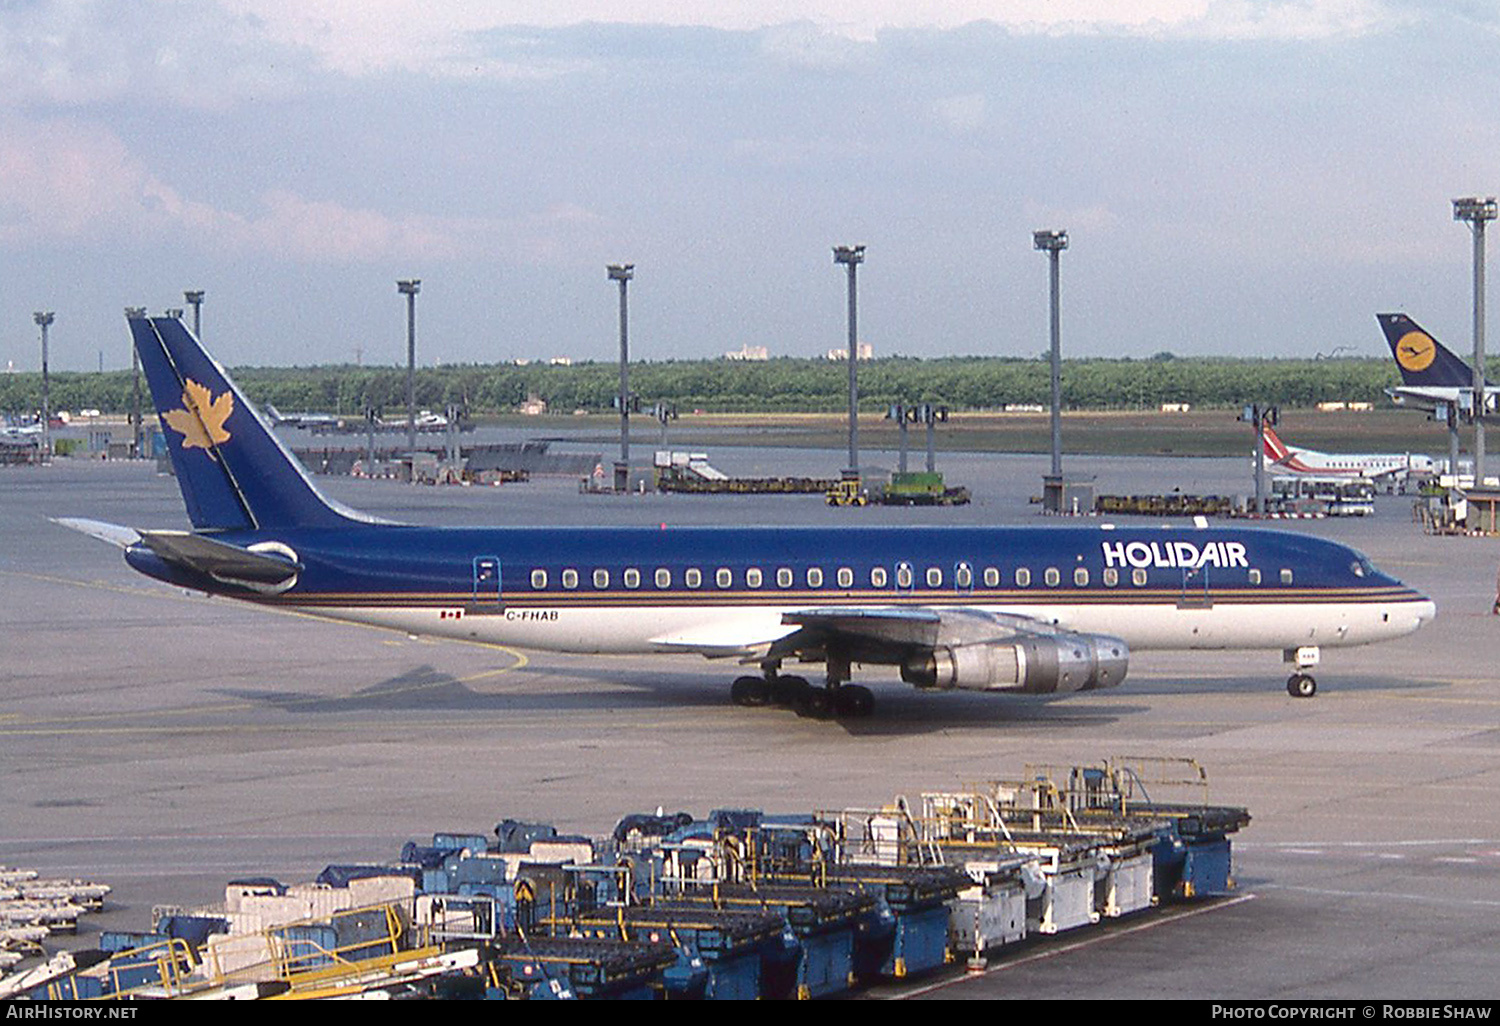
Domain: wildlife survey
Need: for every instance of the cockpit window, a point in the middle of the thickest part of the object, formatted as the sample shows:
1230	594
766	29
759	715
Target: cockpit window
1362	567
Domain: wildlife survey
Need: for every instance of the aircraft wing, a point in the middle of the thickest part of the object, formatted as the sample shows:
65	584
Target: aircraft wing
888	634
746	637
875	634
866	634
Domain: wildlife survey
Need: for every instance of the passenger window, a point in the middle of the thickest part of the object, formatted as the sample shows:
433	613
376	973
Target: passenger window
570	578
877	577
693	577
1081	577
784	578
538	579
1111	577
903	575
632	578
1286	577
1052	577
723	577
991	577
601	578
1254	576
663	577
1023	578
963	576
1138	577
846	577
814	577
753	577
934	577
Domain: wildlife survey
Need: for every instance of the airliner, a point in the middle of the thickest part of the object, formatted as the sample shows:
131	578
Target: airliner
1393	467
1431	375
312	421
1041	610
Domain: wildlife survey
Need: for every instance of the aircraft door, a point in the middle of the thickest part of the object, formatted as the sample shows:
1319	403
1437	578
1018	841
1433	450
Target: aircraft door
487	582
1195	593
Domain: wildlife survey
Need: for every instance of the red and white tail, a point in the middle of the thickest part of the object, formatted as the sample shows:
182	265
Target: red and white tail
1276	449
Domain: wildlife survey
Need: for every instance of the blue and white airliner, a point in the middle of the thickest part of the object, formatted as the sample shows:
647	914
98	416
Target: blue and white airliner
1031	609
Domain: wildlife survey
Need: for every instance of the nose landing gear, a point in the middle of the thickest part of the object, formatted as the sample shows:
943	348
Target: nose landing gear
1301	685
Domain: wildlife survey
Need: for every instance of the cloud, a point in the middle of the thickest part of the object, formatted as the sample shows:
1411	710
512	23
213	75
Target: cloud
65	182
960	114
188	54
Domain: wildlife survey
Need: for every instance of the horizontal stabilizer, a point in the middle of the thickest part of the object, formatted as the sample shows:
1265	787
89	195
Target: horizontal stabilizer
219	560
124	537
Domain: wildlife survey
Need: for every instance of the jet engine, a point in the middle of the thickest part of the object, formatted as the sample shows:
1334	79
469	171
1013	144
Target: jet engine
1040	663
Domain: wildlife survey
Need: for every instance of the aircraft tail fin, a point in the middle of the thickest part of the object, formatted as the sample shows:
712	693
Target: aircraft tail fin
233	472
1276	449
1422	359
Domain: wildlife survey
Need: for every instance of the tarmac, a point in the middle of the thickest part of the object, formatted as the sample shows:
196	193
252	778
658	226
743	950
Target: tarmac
166	743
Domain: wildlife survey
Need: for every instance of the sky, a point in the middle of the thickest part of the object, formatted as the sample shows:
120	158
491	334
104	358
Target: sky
1237	177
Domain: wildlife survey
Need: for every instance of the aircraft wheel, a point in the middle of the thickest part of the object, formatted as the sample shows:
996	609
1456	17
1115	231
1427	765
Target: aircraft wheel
1300	685
853	702
788	690
749	691
815	704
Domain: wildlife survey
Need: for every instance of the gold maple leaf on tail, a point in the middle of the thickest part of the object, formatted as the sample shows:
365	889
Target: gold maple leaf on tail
201	419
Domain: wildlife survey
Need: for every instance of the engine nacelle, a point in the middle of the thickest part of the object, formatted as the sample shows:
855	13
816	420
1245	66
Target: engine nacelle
1043	664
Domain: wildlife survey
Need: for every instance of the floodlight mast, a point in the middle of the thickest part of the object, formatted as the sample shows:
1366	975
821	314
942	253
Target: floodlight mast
622	273
44	320
137	436
1477	212
1053	243
409	288
194	299
851	257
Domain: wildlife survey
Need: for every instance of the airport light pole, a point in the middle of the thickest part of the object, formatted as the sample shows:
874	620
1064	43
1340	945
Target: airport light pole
898	412
44	320
1053	243
622	273
409	288
136	434
851	257
1477	212
138	438
194	299
1259	417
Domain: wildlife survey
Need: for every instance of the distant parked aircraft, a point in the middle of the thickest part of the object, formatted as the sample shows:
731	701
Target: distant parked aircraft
1387	467
303	420
1431	375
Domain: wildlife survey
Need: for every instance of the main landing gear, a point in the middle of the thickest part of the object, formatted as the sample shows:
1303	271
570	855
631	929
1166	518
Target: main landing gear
843	701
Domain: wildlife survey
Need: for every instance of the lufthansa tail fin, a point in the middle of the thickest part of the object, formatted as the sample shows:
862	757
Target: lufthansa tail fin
233	472
1422	359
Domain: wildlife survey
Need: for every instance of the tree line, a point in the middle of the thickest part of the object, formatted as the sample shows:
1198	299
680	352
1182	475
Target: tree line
785	384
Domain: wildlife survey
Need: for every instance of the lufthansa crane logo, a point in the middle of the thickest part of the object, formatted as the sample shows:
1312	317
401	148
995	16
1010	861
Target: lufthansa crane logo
1415	351
200	422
